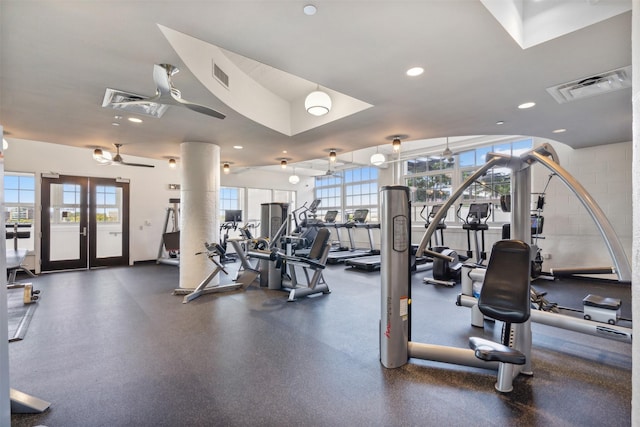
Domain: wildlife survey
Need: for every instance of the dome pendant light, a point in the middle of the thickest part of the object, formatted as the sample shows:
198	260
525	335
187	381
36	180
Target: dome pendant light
317	103
378	158
294	179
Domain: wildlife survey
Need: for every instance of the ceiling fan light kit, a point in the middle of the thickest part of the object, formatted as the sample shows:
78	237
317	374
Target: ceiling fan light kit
104	158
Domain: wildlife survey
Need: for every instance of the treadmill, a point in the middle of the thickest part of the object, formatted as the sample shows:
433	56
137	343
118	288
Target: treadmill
372	262
358	221
330	221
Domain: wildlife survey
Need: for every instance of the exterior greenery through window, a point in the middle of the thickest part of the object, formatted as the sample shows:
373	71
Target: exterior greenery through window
433	179
347	191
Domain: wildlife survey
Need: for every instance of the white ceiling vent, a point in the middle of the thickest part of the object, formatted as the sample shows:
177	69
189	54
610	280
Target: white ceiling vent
120	100
590	86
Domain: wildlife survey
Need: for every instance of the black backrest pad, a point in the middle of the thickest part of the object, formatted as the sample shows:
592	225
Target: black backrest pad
505	292
319	243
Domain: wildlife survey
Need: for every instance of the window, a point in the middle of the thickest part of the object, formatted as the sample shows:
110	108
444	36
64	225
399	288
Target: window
432	179
329	190
347	191
229	199
107	205
19	199
361	190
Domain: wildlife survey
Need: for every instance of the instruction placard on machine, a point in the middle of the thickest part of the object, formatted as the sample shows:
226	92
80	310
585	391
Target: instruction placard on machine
400	233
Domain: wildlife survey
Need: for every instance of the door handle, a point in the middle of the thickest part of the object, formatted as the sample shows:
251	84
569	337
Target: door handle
84	231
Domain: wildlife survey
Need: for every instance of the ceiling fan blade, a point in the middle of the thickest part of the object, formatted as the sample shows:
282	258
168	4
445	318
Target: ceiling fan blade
140	165
162	77
198	108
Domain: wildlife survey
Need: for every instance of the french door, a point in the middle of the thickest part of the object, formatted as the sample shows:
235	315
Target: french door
85	222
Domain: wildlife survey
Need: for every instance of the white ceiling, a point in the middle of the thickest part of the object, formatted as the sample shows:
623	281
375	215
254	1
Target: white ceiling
58	57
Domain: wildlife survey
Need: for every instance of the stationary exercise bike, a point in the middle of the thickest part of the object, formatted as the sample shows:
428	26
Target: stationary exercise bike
231	220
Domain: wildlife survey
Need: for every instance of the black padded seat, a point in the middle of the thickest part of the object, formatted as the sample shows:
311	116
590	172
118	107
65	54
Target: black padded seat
505	296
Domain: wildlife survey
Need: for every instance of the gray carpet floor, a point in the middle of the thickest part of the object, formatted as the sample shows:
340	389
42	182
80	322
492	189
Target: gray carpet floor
113	347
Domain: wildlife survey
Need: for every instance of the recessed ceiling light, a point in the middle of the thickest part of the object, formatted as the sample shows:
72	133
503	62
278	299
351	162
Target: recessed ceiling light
526	105
134	120
415	71
238	147
115	124
309	10
559	130
284	151
117	117
500	122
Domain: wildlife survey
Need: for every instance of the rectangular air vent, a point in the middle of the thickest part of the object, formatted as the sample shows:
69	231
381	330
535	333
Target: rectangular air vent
220	75
590	86
121	100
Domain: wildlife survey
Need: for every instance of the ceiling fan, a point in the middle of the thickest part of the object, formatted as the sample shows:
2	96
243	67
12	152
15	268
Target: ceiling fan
447	154
105	158
166	94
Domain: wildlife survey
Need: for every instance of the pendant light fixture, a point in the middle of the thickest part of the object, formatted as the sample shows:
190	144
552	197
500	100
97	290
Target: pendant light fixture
283	163
317	103
172	163
396	144
378	158
226	168
294	179
332	155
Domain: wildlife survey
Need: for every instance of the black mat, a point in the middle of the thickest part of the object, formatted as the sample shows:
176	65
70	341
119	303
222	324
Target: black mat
19	314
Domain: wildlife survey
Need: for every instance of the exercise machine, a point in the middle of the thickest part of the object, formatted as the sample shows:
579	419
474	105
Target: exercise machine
521	230
169	250
357	221
505	298
231	219
273	259
446	267
15	258
474	222
213	250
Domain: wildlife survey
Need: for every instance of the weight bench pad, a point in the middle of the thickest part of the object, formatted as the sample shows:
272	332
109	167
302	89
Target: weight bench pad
495	352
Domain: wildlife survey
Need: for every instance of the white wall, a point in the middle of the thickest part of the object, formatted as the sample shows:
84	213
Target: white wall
571	236
149	188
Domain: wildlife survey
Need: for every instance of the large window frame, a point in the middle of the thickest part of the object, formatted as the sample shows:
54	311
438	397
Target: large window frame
348	190
428	177
20	204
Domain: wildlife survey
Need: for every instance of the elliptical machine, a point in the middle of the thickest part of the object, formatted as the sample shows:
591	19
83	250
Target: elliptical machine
473	222
445	269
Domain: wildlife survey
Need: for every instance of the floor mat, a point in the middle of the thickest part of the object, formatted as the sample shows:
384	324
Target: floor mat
19	314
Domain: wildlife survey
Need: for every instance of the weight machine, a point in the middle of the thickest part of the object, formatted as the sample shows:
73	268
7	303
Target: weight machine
521	228
505	298
169	250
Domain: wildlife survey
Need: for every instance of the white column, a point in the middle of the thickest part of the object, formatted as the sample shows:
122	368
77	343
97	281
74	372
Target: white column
199	191
635	259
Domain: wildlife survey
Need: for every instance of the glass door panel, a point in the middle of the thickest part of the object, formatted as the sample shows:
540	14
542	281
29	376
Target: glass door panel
109	228
64	223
